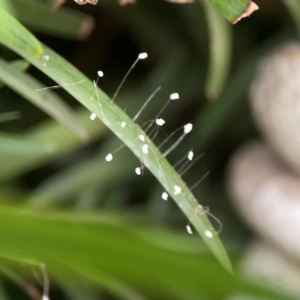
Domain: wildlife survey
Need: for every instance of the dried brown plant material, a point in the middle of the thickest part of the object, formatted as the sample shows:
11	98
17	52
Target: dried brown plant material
248	11
58	3
126	2
275	101
180	1
81	2
267	196
86	28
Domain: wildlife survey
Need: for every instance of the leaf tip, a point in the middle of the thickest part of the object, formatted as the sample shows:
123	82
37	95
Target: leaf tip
247	12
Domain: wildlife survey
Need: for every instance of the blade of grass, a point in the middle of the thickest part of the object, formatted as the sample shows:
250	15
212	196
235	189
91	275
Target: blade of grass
46	100
10	116
64	22
111	115
18	145
234	10
6	5
94	171
19	64
3	294
220	35
23	39
113	252
13	165
293	7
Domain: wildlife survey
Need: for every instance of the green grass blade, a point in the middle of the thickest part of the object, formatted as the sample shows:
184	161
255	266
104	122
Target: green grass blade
14	35
64	22
122	255
46	100
13	165
231	9
111	115
19	64
220	35
13	144
7	5
3	294
10	116
293	7
94	171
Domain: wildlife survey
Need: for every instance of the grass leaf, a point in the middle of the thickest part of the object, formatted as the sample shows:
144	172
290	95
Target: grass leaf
293	7
111	115
19	145
220	36
63	22
124	256
46	100
63	141
14	35
234	10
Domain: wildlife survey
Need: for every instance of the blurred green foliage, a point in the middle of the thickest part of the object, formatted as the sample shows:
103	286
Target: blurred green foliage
102	231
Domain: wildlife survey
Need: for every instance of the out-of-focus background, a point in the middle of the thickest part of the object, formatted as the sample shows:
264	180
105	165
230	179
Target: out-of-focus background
135	245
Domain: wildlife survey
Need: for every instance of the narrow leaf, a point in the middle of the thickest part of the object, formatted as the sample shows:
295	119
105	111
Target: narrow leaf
19	64
46	100
234	10
112	116
64	22
220	35
10	116
14	35
121	255
293	7
18	145
49	131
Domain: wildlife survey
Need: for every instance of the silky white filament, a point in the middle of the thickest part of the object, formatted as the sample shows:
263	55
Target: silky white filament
109	157
169	137
45	297
208	233
146	103
145	148
174	96
200	180
53	87
93	116
177	190
123	124
187	166
181	160
189	229
165	196
141	138
160	122
205	211
138	171
190	155
188	128
143	55
100	73
97	96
